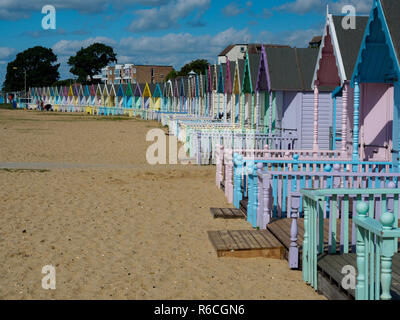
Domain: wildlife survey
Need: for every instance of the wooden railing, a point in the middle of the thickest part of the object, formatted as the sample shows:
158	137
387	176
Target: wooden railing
339	201
318	167
376	245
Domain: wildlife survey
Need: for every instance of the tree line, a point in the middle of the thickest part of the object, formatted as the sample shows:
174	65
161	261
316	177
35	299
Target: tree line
38	65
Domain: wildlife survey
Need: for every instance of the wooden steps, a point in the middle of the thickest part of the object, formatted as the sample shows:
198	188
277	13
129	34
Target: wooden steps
246	244
227	213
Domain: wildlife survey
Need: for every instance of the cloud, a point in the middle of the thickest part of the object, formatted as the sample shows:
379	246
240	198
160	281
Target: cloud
167	16
22	9
234	9
70	47
6	53
306	6
174	49
297	38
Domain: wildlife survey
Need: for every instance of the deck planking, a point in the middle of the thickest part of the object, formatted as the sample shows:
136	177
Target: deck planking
330	266
246	244
227	213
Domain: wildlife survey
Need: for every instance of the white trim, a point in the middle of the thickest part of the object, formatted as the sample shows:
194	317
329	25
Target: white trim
336	48
338	55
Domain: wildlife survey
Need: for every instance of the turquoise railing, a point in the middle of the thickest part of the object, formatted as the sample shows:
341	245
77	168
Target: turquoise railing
340	200
376	246
240	165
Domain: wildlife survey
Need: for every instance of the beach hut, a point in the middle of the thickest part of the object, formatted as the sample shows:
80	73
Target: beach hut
105	100
82	99
138	97
333	71
129	99
237	89
251	67
70	101
285	100
92	101
120	99
229	97
56	98
376	87
86	100
111	102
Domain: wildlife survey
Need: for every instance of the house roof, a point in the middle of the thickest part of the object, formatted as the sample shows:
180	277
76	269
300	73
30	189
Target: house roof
307	59
291	69
391	9
254	60
226	50
349	42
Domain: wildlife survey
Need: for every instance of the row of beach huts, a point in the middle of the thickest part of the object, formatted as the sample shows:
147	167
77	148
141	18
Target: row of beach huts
304	139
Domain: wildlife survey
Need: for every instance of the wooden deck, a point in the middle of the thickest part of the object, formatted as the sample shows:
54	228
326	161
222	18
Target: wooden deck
246	244
227	213
330	276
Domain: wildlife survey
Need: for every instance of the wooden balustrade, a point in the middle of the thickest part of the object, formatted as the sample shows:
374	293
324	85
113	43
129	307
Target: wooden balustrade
373	241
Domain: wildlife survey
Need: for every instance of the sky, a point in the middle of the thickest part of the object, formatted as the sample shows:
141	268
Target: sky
167	32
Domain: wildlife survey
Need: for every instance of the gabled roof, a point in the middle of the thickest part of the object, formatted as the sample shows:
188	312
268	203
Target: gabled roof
230	76
349	42
344	44
391	9
221	77
121	90
378	58
286	69
252	64
156	90
146	92
92	90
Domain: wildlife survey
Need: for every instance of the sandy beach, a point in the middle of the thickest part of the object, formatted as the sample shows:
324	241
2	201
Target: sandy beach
112	225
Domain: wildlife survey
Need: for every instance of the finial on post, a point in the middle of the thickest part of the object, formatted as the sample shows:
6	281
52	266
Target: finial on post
362	209
387	220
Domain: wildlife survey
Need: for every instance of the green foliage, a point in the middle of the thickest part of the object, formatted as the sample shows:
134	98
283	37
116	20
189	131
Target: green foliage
65	82
171	76
89	61
198	66
40	66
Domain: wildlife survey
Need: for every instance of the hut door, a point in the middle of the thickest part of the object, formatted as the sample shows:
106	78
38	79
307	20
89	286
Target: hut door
290	113
376	122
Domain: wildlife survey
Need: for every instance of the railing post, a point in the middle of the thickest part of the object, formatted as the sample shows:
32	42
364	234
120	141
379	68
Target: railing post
388	250
229	175
361	289
336	177
237	187
199	151
219	165
252	194
306	249
260	193
294	248
267	198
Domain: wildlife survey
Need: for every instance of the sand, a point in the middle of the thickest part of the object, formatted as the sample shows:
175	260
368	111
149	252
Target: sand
122	230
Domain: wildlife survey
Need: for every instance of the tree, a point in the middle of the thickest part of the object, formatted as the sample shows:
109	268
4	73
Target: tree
65	82
171	76
39	65
89	61
198	66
